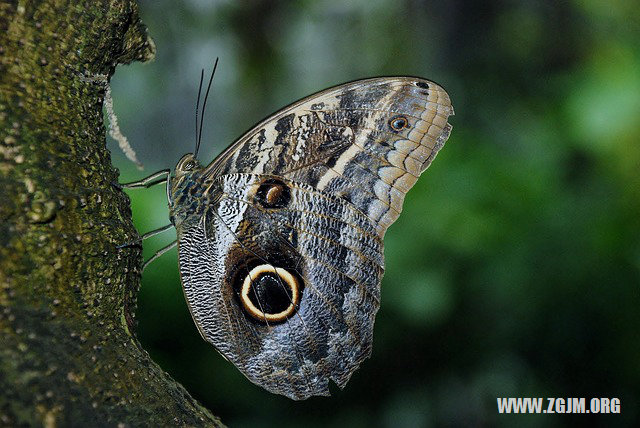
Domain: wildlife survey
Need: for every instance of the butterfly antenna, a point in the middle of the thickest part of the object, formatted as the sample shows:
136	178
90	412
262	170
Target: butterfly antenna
198	106
204	106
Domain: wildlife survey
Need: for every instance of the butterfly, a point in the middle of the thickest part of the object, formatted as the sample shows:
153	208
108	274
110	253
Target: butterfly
280	238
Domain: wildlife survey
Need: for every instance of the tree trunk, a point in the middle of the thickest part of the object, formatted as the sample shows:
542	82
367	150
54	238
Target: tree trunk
68	353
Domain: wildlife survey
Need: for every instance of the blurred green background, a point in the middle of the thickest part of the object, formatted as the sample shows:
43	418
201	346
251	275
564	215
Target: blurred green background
514	270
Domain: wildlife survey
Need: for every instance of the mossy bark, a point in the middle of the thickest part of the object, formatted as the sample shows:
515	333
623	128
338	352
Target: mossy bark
68	353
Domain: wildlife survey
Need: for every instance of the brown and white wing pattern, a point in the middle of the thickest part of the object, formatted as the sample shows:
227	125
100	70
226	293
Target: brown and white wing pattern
366	142
280	238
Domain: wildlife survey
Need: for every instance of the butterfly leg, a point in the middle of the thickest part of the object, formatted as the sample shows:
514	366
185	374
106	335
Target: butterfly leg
158	254
146	235
156	231
149	181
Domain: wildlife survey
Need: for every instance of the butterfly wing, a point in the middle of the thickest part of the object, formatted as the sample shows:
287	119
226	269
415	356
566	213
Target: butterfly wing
343	141
282	265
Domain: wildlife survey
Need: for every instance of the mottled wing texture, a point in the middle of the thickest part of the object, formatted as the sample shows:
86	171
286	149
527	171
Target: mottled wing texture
340	141
342	161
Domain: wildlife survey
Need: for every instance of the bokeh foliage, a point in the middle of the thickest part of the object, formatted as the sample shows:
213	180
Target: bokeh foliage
515	267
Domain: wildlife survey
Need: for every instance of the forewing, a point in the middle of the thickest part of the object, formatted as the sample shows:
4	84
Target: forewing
343	141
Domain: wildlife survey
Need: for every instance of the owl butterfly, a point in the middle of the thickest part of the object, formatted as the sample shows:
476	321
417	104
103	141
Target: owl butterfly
280	237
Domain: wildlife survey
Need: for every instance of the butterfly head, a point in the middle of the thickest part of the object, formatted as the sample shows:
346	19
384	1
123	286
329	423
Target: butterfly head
187	165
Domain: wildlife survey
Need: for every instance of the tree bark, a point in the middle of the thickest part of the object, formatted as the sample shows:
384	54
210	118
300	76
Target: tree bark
68	352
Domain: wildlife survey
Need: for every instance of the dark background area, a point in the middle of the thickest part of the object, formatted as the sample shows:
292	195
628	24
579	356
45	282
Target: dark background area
514	270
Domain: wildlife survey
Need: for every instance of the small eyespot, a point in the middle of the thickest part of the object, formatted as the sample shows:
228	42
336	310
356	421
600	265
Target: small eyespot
398	123
189	165
422	85
270	294
273	193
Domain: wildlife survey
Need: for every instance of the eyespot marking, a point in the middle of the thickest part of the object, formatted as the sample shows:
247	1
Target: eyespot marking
398	123
270	294
273	193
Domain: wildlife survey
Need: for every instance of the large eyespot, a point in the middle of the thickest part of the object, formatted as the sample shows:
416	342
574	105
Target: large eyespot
270	294
273	193
398	123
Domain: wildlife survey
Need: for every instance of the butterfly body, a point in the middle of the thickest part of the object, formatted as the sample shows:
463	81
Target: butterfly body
280	239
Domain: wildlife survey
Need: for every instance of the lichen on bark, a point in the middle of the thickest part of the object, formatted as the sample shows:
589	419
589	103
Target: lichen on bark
68	353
